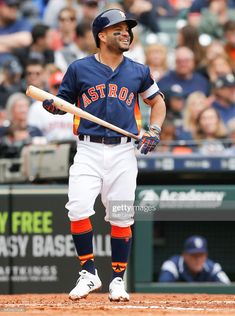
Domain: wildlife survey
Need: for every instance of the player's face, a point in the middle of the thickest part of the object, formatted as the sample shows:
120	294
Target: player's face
195	262
117	37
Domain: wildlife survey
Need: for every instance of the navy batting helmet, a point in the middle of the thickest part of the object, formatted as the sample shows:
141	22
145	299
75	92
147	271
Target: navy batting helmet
108	18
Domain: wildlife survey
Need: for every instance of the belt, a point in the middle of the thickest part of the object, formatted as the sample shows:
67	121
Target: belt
105	140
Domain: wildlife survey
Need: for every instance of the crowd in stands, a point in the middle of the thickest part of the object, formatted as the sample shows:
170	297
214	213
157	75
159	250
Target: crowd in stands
194	69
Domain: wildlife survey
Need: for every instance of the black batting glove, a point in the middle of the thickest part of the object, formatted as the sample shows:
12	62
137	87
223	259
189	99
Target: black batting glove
50	107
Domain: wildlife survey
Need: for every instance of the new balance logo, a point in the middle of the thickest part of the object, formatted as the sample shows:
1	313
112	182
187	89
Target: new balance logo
90	285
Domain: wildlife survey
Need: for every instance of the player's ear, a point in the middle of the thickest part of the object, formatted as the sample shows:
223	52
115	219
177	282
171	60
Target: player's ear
102	36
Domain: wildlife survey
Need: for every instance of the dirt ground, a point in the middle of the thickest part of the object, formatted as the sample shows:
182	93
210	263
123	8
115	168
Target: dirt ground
99	305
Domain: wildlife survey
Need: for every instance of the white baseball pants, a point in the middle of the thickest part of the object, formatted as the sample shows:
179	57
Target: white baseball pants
107	169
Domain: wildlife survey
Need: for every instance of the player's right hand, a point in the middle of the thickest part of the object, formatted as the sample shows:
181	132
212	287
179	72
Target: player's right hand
50	107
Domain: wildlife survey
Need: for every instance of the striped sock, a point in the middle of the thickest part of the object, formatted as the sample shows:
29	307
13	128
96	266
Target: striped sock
121	238
82	236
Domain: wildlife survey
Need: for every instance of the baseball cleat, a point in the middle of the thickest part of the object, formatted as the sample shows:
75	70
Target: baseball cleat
117	291
86	283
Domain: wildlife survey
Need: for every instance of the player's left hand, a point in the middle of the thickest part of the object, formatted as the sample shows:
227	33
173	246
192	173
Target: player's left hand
50	107
148	142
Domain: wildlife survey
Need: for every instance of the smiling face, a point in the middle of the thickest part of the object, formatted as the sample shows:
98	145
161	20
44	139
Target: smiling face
116	37
209	122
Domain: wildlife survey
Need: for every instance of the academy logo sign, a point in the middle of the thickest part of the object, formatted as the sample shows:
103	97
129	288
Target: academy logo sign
192	198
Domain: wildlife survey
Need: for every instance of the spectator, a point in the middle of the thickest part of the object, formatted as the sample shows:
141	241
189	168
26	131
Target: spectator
194	15
231	137
65	33
82	45
168	137
210	131
14	32
11	81
177	8
35	74
229	36
142	11
214	49
50	69
217	67
193	265
3	116
184	74
224	93
30	11
174	99
89	9
169	144
194	104
165	8
156	59
214	18
54	128
39	49
53	8
188	36
18	132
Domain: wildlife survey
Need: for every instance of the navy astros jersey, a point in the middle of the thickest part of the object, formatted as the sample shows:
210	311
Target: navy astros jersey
107	94
175	270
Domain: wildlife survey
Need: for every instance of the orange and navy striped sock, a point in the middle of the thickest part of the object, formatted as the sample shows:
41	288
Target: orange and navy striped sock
82	236
121	238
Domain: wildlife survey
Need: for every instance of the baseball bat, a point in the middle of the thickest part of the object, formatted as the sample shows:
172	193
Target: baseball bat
63	105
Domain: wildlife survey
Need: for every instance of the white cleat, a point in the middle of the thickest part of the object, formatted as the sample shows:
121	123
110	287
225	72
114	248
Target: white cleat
86	283
117	291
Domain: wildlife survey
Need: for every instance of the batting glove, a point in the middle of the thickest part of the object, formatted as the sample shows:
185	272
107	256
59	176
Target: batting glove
149	140
50	107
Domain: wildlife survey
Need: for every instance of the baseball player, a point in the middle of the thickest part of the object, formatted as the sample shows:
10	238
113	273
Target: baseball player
107	85
193	265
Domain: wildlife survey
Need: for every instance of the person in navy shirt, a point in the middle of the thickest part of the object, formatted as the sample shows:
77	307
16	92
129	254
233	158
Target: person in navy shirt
224	92
14	31
193	265
184	75
198	5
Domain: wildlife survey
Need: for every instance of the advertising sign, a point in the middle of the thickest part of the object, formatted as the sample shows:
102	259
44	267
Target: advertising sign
37	254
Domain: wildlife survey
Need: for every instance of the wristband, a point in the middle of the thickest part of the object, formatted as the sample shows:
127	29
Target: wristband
155	128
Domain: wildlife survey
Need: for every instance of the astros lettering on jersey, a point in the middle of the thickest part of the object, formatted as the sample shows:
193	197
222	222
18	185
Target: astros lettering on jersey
107	94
